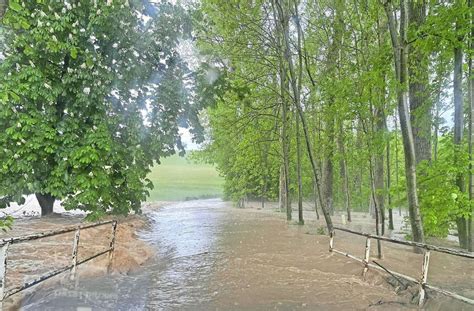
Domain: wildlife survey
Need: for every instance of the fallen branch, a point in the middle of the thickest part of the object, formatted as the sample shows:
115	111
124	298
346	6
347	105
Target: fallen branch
405	286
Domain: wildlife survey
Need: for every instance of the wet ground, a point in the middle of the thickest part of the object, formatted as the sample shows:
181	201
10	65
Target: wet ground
210	256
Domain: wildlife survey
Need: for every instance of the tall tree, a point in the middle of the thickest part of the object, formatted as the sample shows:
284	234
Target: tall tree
389	184
420	105
298	171
399	44
283	7
470	241
459	126
379	169
282	29
344	174
74	92
331	70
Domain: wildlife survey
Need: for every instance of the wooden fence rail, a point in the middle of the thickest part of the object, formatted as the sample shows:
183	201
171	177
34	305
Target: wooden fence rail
5	243
422	282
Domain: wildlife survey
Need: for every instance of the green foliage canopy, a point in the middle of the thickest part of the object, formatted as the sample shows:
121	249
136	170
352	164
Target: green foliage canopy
92	93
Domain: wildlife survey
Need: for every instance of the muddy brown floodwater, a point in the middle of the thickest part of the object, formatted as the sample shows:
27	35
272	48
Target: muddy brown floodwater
210	256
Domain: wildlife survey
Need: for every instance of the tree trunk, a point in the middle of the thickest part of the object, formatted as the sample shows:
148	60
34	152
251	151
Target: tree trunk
331	70
3	7
359	178
379	171
315	195
377	213
420	105
298	169
328	184
281	12
379	188
400	60
266	174
458	134
389	184
470	238
344	174
382	134
470	228
46	202
281	192
327	216
347	193
436	125
358	185
397	168
286	148
286	180
281	29
296	83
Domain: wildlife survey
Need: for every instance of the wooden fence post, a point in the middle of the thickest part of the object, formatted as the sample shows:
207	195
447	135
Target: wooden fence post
367	256
424	277
75	249
112	245
3	268
331	241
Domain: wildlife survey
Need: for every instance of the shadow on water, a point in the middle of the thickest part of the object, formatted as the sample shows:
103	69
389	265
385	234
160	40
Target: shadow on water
185	236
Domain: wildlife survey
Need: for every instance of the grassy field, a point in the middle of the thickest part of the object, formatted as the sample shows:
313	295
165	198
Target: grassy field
178	179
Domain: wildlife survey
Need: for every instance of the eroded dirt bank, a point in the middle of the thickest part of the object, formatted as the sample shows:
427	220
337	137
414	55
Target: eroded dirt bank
29	260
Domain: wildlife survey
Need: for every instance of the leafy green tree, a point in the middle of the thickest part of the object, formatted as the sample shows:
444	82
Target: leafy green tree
345	68
442	201
83	112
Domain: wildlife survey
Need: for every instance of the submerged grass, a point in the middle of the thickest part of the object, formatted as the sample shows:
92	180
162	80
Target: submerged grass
179	179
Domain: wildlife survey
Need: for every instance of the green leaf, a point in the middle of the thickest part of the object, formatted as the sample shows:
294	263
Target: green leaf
4	97
14	96
15	6
89	62
74	53
24	24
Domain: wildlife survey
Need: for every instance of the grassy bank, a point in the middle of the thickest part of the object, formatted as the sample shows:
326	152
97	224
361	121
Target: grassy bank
178	179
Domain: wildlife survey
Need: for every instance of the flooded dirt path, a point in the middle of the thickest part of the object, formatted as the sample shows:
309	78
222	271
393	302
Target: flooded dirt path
210	256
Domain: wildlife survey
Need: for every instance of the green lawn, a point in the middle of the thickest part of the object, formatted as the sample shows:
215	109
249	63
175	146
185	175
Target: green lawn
177	179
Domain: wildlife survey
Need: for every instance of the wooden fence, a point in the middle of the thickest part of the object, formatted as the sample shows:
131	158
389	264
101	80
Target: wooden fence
5	243
422	281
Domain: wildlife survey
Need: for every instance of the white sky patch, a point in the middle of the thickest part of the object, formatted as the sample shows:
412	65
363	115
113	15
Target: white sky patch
133	93
163	62
187	139
212	75
143	17
188	51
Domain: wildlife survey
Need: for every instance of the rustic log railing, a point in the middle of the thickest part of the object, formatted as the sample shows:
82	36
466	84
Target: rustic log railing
5	243
422	282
